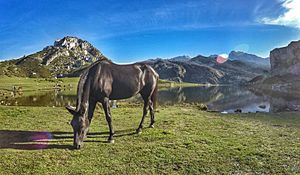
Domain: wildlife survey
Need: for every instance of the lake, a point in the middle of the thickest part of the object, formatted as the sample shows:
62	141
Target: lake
225	99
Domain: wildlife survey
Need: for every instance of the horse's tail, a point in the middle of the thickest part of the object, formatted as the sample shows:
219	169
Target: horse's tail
154	95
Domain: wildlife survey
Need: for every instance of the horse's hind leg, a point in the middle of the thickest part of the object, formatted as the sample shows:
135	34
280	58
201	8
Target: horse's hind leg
105	105
151	114
145	110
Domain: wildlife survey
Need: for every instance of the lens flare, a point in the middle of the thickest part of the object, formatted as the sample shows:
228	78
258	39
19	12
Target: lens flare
41	139
222	58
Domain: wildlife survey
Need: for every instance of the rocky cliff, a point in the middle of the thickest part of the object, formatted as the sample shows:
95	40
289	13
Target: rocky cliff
286	60
285	70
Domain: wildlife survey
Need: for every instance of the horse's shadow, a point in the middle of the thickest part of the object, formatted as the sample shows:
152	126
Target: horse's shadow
36	140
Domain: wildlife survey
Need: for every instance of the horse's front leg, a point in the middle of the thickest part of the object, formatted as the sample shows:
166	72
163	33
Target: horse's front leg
106	108
145	111
91	109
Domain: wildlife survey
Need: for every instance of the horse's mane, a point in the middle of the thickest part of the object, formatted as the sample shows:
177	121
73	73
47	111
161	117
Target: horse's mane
82	80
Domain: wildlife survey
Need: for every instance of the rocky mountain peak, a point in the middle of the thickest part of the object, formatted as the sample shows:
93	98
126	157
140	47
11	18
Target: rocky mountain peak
70	42
239	55
65	56
181	58
76	44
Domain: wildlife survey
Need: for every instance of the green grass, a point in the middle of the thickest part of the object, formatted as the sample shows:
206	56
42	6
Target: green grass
184	141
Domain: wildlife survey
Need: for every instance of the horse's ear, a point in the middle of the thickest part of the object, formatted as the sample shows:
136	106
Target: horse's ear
71	110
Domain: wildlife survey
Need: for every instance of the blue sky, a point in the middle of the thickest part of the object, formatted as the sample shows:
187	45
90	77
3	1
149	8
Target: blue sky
132	30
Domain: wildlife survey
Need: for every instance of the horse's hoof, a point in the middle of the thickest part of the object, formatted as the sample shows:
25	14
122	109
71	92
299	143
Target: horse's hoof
111	141
139	131
151	126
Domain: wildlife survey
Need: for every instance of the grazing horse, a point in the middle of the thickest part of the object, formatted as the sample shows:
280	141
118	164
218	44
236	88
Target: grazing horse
104	81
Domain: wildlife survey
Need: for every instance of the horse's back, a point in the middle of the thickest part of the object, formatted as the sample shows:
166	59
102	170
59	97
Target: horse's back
123	81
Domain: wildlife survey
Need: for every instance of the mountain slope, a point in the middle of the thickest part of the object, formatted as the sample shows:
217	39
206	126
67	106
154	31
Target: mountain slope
201	69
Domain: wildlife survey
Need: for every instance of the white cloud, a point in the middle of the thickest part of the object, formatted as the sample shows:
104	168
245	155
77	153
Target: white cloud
291	17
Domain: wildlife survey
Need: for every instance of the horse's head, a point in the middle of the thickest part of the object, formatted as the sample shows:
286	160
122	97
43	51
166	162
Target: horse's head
80	125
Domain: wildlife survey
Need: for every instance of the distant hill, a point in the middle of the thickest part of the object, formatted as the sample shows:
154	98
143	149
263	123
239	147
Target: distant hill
249	58
65	56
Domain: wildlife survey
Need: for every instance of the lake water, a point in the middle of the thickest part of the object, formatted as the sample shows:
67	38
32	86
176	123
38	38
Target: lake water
217	98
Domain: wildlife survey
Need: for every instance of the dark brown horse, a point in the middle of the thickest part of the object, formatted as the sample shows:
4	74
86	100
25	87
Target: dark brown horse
104	81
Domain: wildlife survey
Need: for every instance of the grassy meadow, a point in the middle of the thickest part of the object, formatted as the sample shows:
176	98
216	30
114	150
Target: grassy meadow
185	140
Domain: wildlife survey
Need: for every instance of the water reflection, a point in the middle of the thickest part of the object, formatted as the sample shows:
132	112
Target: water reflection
44	98
217	98
281	101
